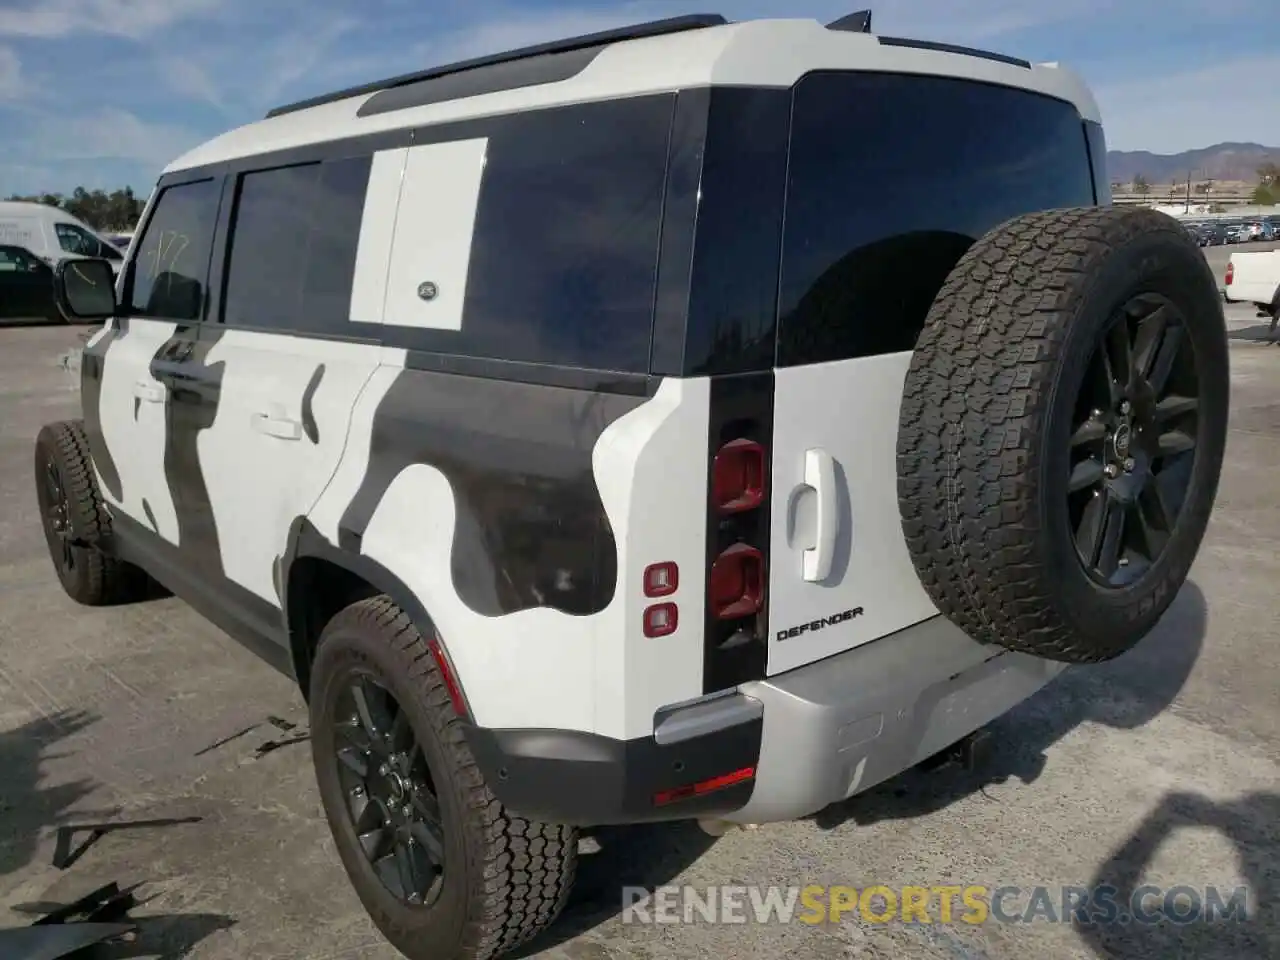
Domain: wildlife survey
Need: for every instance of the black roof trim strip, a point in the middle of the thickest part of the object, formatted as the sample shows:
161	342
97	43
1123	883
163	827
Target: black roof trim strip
859	22
953	48
654	28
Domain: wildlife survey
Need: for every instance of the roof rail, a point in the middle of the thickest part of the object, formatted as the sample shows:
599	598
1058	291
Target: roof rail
653	28
859	22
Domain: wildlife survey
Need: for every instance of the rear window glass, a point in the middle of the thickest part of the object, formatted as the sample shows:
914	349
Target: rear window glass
891	179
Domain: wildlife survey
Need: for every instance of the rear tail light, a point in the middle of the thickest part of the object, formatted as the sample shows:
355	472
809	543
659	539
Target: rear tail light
737	476
661	620
735	586
661	579
1231	272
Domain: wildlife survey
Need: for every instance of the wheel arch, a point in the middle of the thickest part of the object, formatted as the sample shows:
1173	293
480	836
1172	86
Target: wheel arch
318	579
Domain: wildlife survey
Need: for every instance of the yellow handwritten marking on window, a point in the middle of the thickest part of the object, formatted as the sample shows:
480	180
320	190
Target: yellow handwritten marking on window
169	247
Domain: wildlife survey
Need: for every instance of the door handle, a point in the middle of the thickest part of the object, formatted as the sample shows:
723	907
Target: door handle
820	474
150	392
283	427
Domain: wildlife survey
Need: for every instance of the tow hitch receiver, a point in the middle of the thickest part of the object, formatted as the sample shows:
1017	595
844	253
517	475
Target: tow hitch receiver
970	752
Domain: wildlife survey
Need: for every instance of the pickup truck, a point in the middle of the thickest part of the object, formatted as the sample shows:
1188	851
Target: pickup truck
1254	277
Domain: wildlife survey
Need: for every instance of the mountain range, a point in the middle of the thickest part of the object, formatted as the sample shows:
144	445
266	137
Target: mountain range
1222	161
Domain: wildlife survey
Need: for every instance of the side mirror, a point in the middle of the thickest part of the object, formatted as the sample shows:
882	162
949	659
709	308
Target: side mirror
85	289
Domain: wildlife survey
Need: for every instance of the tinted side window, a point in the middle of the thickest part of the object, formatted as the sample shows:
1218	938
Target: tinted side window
892	178
334	229
268	254
170	271
293	246
564	253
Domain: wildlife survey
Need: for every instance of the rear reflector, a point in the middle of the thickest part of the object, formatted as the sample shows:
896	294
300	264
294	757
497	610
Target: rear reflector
661	579
703	787
446	674
737	476
735	586
661	620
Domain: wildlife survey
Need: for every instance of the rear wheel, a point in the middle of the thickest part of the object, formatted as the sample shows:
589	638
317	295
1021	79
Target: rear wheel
1062	430
77	526
442	868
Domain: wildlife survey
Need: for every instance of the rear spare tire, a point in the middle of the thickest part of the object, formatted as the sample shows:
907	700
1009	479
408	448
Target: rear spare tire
1062	430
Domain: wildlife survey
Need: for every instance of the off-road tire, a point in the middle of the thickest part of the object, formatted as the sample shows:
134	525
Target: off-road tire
506	878
95	577
987	403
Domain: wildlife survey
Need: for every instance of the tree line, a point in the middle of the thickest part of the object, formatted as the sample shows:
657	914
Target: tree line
114	211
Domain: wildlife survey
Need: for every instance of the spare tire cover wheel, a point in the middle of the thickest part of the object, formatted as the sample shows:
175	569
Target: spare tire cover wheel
1062	430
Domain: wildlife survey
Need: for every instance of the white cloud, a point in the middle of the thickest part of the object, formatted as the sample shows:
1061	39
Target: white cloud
48	19
109	134
11	83
1231	101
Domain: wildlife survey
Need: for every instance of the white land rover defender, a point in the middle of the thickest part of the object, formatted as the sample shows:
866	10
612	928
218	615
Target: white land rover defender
700	419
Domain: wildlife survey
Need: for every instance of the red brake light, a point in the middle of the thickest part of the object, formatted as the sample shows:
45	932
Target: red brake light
661	579
735	586
737	476
1231	272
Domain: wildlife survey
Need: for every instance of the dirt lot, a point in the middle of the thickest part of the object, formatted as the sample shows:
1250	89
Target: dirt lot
1161	767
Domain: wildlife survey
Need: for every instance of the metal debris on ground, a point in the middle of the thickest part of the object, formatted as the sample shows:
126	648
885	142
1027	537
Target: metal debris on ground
99	917
64	856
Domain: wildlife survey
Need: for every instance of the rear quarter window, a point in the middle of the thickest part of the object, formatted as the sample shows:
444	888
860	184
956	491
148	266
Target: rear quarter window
891	179
564	255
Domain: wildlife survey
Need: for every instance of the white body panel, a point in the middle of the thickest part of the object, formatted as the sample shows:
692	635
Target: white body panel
260	467
595	674
433	227
1256	277
134	409
767	53
847	410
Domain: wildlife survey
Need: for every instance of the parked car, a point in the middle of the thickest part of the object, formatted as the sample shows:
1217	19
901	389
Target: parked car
1254	277
26	286
551	538
52	234
1214	235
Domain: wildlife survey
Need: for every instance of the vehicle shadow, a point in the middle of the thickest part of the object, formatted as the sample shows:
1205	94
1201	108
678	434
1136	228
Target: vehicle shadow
1252	824
647	856
1125	693
26	806
1258	333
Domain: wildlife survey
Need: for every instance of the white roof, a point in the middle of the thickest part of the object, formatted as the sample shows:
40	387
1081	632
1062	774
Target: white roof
758	53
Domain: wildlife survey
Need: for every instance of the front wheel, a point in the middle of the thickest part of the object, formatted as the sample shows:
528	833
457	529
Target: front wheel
445	872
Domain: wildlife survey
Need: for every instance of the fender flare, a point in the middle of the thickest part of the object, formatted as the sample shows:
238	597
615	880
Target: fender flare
306	542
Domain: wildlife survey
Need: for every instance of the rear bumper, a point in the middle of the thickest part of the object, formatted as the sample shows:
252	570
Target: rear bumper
812	736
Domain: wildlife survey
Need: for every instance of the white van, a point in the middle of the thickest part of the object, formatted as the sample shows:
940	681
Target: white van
53	234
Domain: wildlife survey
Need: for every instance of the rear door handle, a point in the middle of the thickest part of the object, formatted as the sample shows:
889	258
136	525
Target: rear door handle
273	426
150	392
820	474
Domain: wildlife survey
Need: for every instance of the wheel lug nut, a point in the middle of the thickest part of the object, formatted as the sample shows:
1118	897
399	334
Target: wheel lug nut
1110	470
1128	464
407	811
1124	406
384	770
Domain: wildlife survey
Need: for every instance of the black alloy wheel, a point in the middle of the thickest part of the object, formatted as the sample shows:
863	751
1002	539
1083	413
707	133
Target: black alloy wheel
390	795
56	515
1134	442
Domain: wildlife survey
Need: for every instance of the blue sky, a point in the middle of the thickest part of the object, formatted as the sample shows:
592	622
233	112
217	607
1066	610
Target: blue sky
106	92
